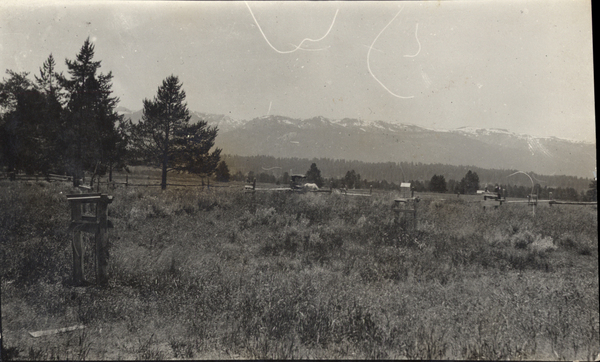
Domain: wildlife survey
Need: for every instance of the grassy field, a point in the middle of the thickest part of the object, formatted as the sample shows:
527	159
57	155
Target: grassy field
222	274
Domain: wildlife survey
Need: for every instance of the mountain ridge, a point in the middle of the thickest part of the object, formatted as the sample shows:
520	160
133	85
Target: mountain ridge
381	141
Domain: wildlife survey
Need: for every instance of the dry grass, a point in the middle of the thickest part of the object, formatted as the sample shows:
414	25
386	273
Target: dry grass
223	274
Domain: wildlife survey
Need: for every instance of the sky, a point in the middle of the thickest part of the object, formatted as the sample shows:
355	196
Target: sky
524	66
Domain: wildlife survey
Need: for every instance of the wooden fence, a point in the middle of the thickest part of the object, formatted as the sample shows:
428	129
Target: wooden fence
49	177
98	183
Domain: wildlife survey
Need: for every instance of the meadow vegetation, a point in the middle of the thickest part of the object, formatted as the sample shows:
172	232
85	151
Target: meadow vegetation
224	274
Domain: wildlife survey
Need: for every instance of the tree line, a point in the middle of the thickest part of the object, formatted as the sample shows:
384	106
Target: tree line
68	124
397	172
468	184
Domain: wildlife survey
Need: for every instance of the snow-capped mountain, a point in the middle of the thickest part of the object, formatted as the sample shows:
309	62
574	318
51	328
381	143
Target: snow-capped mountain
379	141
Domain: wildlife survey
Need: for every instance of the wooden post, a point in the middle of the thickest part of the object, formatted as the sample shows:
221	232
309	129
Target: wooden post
101	243
77	247
414	214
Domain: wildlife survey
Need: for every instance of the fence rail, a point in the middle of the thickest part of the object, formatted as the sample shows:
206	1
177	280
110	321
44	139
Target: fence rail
554	202
49	177
97	183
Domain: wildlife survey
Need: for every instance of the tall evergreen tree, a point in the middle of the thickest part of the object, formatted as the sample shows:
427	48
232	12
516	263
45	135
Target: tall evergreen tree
51	114
165	137
47	82
92	124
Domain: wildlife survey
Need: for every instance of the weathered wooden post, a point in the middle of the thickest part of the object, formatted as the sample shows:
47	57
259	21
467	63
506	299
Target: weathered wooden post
97	225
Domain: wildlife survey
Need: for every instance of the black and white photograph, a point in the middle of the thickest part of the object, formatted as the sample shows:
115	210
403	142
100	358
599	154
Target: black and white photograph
298	180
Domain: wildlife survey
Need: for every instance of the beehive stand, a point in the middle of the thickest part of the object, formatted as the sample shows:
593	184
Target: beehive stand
96	224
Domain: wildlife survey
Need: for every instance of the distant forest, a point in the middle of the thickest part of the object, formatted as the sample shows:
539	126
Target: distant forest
389	175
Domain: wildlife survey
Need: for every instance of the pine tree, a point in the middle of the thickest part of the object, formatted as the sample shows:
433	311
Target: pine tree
47	82
165	137
91	120
51	114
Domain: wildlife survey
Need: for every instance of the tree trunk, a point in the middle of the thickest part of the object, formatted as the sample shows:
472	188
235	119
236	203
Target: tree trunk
163	184
165	161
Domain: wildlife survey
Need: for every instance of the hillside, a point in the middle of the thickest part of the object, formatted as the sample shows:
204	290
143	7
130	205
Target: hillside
352	139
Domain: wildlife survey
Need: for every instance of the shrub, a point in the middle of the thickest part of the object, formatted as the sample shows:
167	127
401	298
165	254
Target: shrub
541	245
522	239
581	244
